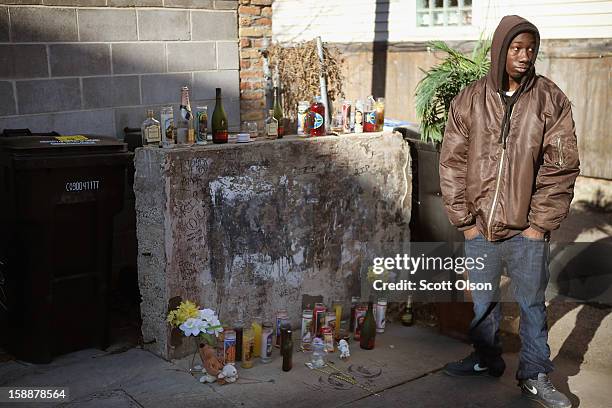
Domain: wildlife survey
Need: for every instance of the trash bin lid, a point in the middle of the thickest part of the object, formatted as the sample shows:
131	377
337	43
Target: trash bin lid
61	145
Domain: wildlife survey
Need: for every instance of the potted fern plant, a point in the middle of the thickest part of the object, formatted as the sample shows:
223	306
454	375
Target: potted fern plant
443	82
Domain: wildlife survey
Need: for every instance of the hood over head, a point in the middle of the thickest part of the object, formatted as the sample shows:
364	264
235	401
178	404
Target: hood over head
508	28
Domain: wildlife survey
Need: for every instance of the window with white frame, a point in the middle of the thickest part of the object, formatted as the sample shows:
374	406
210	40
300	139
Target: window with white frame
440	13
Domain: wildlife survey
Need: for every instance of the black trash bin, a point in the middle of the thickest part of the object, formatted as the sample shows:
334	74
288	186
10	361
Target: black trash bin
58	197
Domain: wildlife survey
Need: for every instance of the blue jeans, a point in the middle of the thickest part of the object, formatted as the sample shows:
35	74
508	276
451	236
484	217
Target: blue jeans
527	266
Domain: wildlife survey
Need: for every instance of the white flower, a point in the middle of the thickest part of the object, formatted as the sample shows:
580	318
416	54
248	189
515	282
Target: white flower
207	315
191	327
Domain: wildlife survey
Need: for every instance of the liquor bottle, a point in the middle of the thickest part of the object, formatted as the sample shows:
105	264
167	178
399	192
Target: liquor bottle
368	331
278	114
408	316
185	109
317	113
271	126
287	350
150	130
219	121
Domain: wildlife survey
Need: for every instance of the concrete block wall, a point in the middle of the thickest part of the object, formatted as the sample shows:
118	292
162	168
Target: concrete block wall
95	66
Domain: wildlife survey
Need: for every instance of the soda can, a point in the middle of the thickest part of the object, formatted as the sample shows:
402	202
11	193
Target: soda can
301	116
379	315
229	347
201	126
306	333
328	339
346	116
360	312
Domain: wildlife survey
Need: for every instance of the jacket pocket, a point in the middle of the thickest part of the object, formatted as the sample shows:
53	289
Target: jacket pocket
560	157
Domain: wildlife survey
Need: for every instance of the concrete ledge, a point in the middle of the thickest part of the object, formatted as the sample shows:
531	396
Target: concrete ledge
250	229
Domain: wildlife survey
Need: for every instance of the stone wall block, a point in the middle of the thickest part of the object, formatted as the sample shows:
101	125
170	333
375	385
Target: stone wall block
165	88
7	99
52	95
139	58
23	61
164	25
102	92
107	25
191	56
227	55
4	24
43	24
211	25
79	59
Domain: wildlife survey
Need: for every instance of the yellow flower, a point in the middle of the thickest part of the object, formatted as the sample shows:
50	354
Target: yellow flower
185	311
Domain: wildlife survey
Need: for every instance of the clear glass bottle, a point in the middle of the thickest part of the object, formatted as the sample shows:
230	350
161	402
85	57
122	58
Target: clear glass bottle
151	130
187	115
271	126
318	353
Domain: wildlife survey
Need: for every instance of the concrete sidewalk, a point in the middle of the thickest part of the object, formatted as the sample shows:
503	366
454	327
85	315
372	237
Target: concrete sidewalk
404	370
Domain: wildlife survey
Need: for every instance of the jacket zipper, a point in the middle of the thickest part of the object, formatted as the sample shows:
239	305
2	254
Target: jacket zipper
498	180
499	173
561	162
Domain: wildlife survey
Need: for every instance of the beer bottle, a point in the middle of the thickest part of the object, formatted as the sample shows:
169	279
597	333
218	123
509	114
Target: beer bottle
368	331
408	316
278	114
219	121
287	350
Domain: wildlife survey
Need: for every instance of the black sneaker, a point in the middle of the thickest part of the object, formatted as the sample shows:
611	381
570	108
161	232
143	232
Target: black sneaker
543	392
473	366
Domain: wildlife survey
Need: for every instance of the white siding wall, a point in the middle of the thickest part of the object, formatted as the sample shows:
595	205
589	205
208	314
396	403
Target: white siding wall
357	20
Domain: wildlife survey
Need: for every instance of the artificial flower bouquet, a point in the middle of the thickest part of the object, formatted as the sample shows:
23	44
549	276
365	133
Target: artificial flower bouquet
192	321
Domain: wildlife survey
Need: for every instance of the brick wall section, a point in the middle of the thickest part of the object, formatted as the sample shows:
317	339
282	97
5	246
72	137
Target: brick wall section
95	66
255	24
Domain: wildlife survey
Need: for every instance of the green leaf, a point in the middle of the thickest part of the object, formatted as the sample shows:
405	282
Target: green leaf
434	93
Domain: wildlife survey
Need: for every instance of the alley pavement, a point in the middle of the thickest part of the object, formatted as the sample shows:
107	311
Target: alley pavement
405	369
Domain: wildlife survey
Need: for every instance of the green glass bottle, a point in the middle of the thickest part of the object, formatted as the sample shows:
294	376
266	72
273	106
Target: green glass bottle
278	113
219	121
368	330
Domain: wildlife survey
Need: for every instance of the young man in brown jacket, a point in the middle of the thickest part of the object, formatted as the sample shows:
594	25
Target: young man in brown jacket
507	171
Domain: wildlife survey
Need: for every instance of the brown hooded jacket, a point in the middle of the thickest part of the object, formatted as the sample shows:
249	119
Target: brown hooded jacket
509	163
